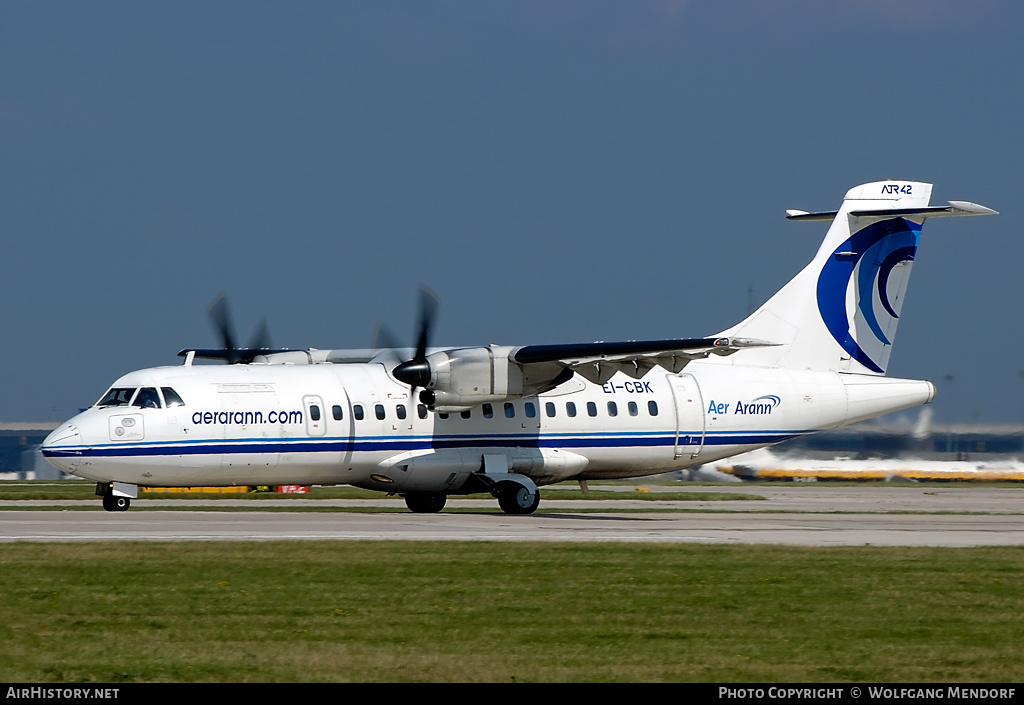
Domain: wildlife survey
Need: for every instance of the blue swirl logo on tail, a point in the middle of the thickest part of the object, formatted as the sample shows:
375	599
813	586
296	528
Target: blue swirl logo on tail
860	293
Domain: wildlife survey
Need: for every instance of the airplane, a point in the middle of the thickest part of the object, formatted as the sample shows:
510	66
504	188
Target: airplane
428	422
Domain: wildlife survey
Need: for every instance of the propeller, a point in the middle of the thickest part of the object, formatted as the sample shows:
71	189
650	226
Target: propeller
220	317
387	347
384	339
416	372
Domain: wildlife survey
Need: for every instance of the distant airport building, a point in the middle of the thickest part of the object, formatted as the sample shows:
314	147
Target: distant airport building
19	451
881	439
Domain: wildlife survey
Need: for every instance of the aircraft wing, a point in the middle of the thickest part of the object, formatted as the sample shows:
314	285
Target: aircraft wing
598	362
232	355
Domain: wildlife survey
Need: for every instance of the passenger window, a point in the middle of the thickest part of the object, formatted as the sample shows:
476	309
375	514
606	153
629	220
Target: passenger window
118	396
613	409
510	410
378	411
421	410
314	412
357	411
171	398
400	410
336	412
570	409
466	414
633	411
147	398
549	409
591	409
652	407
488	410
442	415
531	409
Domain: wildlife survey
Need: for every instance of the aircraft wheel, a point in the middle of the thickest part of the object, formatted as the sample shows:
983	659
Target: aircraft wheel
513	498
425	502
116	504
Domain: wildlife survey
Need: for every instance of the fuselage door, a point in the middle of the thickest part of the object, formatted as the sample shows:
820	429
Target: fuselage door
245	426
689	415
316	424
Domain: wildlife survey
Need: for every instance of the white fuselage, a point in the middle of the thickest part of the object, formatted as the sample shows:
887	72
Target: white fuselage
300	424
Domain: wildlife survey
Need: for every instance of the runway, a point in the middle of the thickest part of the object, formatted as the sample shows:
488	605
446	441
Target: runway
789	515
800	529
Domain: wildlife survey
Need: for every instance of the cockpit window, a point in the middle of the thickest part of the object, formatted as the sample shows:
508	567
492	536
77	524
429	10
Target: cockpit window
117	396
147	398
171	398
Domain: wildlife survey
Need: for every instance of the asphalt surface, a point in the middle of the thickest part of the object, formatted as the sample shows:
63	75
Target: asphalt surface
805	515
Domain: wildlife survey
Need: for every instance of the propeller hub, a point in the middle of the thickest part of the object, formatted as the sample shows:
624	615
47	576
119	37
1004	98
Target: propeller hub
415	373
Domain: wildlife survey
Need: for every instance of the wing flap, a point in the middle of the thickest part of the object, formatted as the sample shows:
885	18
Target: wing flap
598	362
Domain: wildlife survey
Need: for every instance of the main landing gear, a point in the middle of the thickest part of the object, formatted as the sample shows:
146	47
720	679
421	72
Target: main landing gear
516	493
514	498
425	502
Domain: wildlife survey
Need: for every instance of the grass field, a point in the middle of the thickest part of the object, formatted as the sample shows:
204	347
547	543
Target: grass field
393	611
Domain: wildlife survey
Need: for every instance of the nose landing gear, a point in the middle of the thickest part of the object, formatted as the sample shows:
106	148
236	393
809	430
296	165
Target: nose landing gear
116	504
116	495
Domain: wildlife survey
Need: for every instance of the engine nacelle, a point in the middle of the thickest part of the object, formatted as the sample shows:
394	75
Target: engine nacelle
467	377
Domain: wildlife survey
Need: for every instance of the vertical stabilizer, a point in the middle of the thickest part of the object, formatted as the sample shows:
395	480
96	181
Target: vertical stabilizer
841	312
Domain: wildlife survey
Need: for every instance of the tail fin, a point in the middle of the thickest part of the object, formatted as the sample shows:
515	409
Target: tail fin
840	313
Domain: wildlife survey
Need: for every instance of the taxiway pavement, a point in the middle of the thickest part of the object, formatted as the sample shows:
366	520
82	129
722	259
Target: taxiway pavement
790	515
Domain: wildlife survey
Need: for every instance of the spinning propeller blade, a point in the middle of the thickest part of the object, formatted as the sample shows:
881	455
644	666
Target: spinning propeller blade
220	317
416	372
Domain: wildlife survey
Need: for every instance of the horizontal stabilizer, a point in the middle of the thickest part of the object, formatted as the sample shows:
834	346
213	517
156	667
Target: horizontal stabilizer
954	208
805	216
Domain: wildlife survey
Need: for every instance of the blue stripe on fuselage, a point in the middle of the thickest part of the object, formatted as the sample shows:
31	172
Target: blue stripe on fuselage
402	444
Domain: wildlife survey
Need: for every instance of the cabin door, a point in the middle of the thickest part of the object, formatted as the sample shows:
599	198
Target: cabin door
689	408
249	440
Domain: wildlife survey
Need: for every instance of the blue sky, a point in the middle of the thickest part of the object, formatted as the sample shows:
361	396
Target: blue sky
557	171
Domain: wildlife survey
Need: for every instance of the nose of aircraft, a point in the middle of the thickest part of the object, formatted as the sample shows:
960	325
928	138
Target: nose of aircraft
57	448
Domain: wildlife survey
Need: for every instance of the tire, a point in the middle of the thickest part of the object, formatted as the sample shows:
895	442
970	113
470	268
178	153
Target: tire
425	502
116	504
514	498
